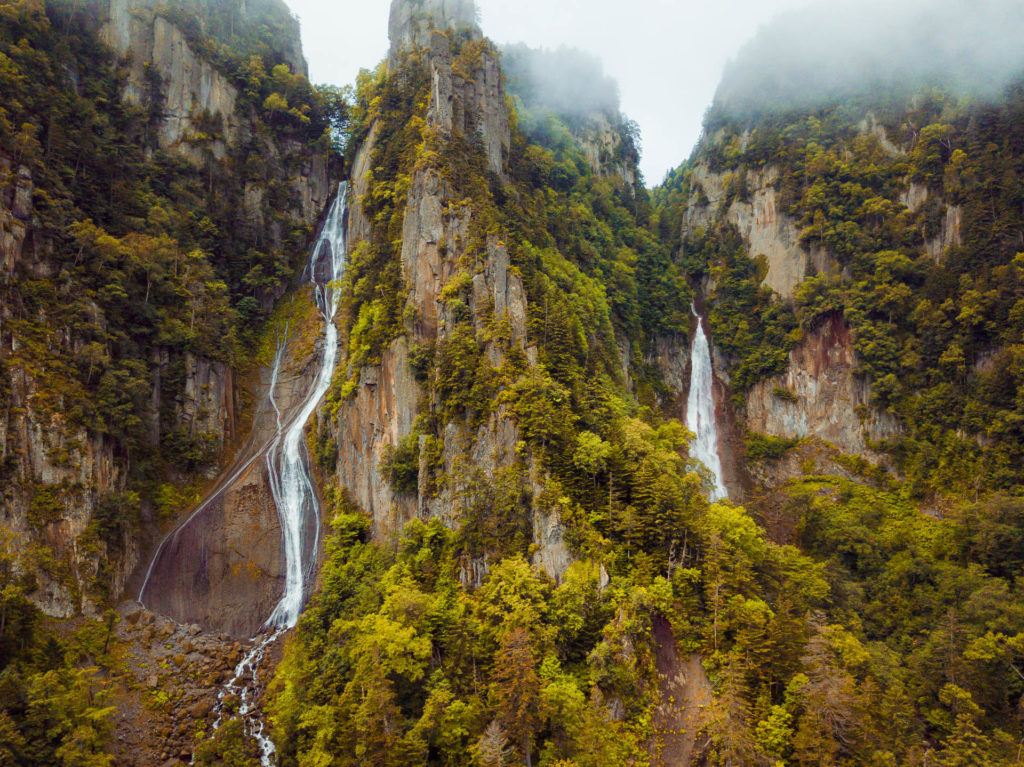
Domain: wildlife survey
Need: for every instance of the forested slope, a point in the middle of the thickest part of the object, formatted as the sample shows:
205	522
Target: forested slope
142	247
871	634
519	546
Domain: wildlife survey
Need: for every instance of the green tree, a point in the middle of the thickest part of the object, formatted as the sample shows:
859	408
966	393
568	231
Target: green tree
516	691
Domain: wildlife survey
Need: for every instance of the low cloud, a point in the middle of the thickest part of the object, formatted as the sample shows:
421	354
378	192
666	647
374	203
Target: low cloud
836	51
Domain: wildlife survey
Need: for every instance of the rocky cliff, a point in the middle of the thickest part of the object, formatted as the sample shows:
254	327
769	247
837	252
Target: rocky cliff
823	392
821	395
71	488
456	268
762	221
412	24
436	248
159	57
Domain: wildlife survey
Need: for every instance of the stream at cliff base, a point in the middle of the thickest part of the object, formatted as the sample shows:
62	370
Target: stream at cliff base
291	484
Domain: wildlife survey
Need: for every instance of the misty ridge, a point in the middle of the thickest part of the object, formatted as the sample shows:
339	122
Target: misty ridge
838	51
567	81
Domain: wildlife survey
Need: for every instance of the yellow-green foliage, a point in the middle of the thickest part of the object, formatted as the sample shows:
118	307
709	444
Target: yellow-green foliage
57	707
938	338
879	634
297	322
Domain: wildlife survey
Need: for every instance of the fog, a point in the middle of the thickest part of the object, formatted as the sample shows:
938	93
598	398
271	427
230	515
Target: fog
836	51
567	81
668	56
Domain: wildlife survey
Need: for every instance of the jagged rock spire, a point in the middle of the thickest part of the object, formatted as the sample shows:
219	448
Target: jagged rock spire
413	20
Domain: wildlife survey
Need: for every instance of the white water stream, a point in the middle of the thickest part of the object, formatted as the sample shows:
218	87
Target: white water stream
295	496
700	411
287	463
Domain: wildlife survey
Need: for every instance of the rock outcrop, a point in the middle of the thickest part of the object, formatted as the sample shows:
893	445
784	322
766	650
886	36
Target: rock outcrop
470	105
764	226
606	152
821	395
161	59
224	570
381	413
200	115
950	234
15	213
413	22
435	249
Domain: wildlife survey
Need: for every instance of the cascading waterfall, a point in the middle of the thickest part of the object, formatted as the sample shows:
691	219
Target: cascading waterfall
287	463
291	484
700	411
243	686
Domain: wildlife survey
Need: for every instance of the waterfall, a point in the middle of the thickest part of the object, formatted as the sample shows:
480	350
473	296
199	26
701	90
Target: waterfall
287	463
291	484
700	411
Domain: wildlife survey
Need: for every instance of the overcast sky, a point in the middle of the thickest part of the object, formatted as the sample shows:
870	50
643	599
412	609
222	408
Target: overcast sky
667	55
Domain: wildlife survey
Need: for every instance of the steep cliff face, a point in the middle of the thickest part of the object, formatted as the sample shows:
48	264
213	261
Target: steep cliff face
72	485
821	395
55	474
607	150
197	104
412	24
15	212
455	267
822	391
223	568
437	235
163	66
761	219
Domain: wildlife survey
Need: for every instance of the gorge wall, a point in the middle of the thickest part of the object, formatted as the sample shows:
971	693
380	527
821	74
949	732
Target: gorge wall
72	486
441	248
822	392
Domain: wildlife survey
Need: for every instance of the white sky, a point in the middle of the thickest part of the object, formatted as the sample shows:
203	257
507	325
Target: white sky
667	55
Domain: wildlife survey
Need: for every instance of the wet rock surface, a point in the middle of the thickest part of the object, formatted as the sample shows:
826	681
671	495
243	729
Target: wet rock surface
223	568
168	680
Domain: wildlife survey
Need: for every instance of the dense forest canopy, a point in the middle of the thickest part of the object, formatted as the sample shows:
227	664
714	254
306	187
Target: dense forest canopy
858	631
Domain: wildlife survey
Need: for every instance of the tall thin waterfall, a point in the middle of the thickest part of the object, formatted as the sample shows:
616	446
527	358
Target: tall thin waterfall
700	411
291	484
287	462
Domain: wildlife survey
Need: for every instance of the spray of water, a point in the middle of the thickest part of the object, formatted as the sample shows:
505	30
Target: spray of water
700	411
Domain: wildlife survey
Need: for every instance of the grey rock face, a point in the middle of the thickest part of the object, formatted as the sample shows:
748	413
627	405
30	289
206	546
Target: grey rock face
190	86
821	396
602	145
412	21
767	229
15	212
461	106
